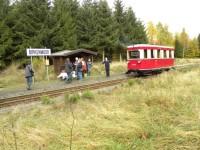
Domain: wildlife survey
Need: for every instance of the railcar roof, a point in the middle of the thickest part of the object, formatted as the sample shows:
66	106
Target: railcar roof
150	46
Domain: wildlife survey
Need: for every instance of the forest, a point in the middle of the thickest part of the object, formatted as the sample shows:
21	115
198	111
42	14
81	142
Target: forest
90	24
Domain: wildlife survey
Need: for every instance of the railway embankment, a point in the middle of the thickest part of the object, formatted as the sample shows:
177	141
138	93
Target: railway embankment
157	113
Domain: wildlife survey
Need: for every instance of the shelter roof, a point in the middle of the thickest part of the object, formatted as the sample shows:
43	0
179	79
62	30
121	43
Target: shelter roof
72	52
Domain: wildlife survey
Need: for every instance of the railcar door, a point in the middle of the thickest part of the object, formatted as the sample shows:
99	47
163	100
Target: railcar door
133	57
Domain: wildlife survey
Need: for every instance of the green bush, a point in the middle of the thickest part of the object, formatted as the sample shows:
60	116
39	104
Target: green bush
88	95
72	98
46	100
130	82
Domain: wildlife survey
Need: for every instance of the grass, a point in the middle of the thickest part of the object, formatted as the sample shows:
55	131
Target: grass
160	113
13	77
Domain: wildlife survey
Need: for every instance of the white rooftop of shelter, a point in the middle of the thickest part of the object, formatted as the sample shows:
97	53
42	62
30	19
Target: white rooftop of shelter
60	53
149	45
72	52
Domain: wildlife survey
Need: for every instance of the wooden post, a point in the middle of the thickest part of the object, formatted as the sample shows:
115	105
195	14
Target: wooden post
103	55
47	68
32	68
120	57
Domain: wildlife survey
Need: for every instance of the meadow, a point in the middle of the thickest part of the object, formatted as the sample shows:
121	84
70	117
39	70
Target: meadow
13	76
158	113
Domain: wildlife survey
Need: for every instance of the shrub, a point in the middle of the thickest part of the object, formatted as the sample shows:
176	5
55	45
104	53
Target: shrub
88	95
130	82
72	98
46	100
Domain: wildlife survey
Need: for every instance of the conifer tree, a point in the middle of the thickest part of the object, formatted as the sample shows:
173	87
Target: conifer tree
104	35
119	18
192	48
86	24
27	22
5	34
184	40
178	48
63	28
140	34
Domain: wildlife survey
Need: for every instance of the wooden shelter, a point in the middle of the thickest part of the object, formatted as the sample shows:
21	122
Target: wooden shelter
60	57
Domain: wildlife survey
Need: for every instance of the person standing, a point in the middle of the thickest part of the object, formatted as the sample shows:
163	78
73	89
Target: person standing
89	66
84	67
68	69
75	66
29	73
106	62
79	70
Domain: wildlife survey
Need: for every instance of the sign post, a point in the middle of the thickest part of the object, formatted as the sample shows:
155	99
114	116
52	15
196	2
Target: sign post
39	52
47	69
32	68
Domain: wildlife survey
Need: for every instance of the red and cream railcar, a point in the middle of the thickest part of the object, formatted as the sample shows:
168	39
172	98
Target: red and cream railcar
145	58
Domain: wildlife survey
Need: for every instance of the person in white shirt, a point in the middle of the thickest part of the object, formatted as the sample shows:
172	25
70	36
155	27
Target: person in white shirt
63	75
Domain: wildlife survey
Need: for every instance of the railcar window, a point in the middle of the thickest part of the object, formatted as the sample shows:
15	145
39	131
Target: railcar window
152	56
158	53
155	53
145	53
134	54
170	54
165	54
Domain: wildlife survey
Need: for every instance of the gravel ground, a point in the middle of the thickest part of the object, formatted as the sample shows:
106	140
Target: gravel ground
52	85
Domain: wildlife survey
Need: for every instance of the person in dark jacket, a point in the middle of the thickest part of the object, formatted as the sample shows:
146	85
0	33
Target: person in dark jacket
68	69
89	66
29	73
106	62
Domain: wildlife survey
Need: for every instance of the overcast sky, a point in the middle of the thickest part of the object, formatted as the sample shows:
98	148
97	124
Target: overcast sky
175	13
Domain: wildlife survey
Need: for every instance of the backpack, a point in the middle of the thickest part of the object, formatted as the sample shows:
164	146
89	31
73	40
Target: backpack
32	72
84	67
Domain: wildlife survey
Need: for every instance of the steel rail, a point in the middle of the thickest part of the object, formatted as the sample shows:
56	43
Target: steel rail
15	100
12	101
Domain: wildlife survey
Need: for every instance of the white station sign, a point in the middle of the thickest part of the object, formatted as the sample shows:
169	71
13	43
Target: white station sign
38	52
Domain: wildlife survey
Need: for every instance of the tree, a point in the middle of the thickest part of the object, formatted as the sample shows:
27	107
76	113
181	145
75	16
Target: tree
5	33
151	33
178	47
134	30
27	22
192	49
4	8
198	39
87	25
119	17
63	29
164	37
104	35
184	39
140	33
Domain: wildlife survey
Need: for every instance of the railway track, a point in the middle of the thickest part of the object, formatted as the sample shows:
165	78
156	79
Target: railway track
28	98
15	100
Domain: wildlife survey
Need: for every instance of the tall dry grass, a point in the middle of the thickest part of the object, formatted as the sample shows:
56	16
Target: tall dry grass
162	112
13	76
